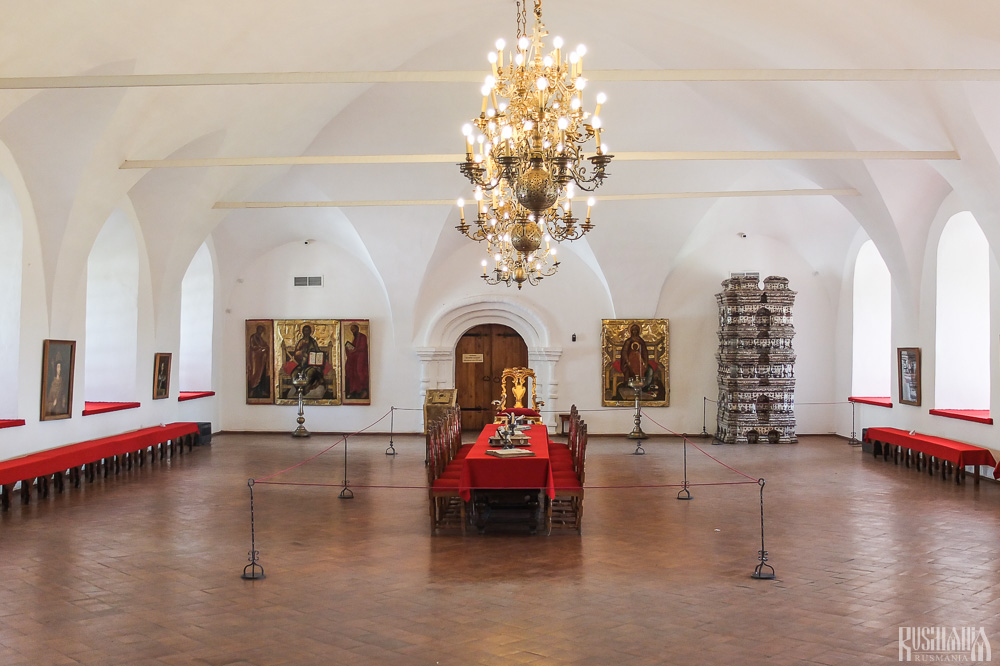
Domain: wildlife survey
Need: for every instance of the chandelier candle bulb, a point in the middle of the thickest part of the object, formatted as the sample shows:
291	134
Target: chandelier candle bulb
601	99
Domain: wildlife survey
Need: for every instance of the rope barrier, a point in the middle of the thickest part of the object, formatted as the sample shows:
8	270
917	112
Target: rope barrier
254	570
342	439
752	478
601	409
425	487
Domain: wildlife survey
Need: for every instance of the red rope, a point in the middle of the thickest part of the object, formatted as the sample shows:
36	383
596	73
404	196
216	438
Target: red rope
344	438
700	449
557	488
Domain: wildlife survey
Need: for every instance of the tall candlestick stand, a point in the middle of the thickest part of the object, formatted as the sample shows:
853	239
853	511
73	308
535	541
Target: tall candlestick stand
299	381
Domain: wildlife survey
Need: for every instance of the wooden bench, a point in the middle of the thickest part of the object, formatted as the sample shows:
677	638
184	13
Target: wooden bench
106	454
928	452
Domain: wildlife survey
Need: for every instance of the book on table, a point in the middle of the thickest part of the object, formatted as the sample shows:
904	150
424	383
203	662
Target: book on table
510	453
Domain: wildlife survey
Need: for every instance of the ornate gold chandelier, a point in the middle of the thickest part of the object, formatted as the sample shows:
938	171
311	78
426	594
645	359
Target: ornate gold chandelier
525	155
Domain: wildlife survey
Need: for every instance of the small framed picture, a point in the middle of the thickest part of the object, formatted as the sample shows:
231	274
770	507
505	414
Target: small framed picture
908	361
58	358
161	376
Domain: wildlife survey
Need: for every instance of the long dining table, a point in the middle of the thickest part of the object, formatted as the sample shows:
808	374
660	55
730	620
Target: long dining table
490	476
483	471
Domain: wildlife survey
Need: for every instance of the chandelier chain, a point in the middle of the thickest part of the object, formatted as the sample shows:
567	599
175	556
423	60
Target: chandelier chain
522	18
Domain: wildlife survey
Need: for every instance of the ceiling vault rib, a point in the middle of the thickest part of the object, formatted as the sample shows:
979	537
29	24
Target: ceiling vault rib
653	156
470	76
230	205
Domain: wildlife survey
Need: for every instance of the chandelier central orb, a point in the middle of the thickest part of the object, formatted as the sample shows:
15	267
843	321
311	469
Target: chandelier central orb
525	153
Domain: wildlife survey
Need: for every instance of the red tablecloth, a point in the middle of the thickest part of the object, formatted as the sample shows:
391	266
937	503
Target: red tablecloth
75	455
483	471
959	453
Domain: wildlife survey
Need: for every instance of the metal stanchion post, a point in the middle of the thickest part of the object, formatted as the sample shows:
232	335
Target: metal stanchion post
759	572
704	416
391	451
346	493
684	491
252	571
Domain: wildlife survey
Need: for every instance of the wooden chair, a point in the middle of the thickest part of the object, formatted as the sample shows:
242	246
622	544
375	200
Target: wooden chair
518	379
565	510
447	508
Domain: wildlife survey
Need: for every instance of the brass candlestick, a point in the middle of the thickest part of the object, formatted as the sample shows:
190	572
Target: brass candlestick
635	383
299	381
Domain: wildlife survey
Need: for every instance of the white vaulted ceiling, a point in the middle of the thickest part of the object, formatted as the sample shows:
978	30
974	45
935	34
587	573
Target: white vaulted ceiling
890	106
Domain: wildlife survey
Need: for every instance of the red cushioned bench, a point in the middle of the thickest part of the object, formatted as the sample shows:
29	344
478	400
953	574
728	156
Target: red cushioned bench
128	448
929	452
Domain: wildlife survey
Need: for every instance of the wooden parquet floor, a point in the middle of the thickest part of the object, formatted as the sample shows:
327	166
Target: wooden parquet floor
145	568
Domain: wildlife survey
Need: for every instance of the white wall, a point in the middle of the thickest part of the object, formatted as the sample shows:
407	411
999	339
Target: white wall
111	346
263	289
962	349
872	317
688	300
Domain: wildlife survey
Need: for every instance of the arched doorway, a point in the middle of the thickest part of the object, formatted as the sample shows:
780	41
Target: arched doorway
481	355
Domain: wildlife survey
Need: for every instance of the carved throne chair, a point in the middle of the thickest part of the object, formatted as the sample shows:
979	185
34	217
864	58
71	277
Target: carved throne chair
513	392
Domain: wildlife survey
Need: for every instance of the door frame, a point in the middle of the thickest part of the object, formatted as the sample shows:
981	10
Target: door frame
440	339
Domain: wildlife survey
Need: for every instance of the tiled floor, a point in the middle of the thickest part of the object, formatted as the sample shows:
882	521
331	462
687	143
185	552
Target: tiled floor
145	568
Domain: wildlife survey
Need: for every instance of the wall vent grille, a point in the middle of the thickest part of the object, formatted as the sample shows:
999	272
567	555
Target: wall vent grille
309	281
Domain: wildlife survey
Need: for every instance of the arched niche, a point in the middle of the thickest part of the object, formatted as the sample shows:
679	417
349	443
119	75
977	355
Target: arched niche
197	323
11	260
111	348
962	337
436	344
872	358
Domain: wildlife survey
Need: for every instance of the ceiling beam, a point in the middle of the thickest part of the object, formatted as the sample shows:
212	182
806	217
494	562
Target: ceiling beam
476	76
454	158
230	205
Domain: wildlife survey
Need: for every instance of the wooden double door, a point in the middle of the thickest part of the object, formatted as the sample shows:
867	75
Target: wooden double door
480	358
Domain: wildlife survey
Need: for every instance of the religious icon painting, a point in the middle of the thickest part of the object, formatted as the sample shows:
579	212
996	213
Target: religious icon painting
58	359
354	336
635	359
307	352
259	340
161	376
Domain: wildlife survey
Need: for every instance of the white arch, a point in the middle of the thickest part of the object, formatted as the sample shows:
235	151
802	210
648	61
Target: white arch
871	373
962	340
111	348
448	324
11	256
197	319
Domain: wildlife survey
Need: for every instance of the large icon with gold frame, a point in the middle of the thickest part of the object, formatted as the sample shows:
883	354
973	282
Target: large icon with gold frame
311	346
636	351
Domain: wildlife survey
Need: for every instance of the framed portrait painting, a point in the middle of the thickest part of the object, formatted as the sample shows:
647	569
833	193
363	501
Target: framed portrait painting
259	341
161	376
635	357
908	367
58	359
354	336
310	350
